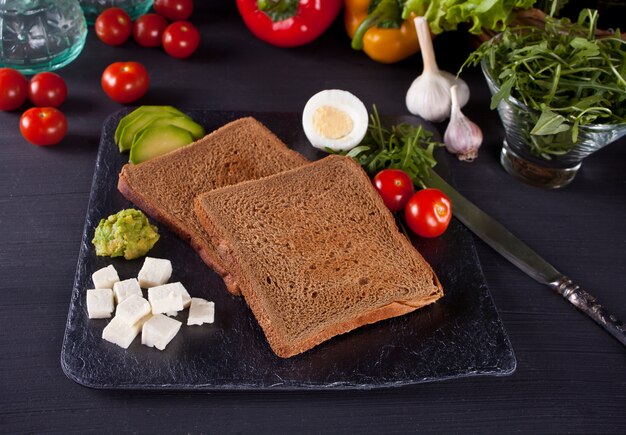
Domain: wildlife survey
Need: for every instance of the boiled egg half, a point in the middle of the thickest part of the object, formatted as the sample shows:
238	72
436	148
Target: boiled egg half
334	119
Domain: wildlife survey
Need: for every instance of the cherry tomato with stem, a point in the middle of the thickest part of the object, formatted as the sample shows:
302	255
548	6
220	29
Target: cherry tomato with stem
43	126
13	89
47	89
113	26
395	187
175	10
428	213
125	82
181	39
148	30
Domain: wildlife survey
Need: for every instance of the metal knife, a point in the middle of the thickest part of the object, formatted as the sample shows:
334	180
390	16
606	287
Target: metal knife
518	253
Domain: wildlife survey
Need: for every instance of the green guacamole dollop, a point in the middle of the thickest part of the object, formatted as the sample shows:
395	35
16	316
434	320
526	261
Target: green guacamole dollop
126	233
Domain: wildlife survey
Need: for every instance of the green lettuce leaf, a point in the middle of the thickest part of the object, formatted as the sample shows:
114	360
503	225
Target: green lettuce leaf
445	15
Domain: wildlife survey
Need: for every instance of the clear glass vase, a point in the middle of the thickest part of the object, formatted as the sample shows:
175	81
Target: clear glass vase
40	35
520	155
134	8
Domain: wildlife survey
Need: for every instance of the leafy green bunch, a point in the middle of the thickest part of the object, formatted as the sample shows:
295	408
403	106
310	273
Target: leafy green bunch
570	77
403	146
480	14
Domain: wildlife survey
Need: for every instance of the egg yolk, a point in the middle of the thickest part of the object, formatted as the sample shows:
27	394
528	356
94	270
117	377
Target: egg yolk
332	123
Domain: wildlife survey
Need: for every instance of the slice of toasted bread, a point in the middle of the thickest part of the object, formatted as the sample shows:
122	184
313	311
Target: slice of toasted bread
165	187
316	253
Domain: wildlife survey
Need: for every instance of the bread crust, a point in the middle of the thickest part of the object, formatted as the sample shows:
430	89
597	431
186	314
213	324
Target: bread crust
394	309
201	244
206	252
286	348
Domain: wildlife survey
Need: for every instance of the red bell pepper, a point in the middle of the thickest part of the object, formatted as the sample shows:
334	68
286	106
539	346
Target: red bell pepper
288	23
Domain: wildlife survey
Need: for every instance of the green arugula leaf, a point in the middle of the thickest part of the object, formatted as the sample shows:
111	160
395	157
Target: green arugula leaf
587	102
403	146
586	48
550	123
357	150
503	93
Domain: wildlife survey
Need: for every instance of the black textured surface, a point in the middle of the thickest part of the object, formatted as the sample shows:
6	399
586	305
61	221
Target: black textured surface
570	376
460	335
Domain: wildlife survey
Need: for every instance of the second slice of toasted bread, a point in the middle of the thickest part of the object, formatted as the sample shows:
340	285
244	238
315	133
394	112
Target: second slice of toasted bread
166	186
316	253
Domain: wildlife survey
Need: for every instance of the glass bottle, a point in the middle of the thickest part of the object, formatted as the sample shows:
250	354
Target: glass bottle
40	35
135	8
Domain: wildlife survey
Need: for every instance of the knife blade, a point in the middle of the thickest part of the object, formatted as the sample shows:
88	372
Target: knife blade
521	255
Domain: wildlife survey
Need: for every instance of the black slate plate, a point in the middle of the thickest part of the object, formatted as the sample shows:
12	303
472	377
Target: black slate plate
460	335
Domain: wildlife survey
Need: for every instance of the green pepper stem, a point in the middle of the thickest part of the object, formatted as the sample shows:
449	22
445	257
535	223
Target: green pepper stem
369	22
386	14
278	10
272	5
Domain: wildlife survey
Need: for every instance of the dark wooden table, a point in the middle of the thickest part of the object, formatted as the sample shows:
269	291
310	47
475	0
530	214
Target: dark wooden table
571	375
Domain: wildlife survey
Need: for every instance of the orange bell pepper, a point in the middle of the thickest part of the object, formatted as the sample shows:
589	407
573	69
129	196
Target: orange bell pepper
394	41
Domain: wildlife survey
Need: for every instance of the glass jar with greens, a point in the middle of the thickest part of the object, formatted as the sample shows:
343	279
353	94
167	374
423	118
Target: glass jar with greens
560	92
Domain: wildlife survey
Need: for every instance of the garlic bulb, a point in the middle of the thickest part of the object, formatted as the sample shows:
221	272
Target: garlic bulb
429	94
462	137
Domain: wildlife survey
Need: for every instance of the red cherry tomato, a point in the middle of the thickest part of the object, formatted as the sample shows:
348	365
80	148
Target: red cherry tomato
43	126
395	187
175	10
181	39
13	89
113	26
428	213
148	30
125	82
47	89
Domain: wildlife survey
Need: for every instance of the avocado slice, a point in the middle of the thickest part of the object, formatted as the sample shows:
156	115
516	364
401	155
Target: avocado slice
156	141
184	122
141	111
133	127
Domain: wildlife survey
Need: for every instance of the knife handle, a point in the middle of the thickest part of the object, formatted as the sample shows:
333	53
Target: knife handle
590	306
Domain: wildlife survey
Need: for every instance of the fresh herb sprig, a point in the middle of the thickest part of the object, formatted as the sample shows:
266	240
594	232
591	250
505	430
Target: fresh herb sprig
403	146
564	72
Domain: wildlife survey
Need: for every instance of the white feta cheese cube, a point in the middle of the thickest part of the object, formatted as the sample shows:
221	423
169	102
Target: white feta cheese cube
120	333
159	331
165	299
154	272
201	311
132	309
100	303
126	288
179	288
105	277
